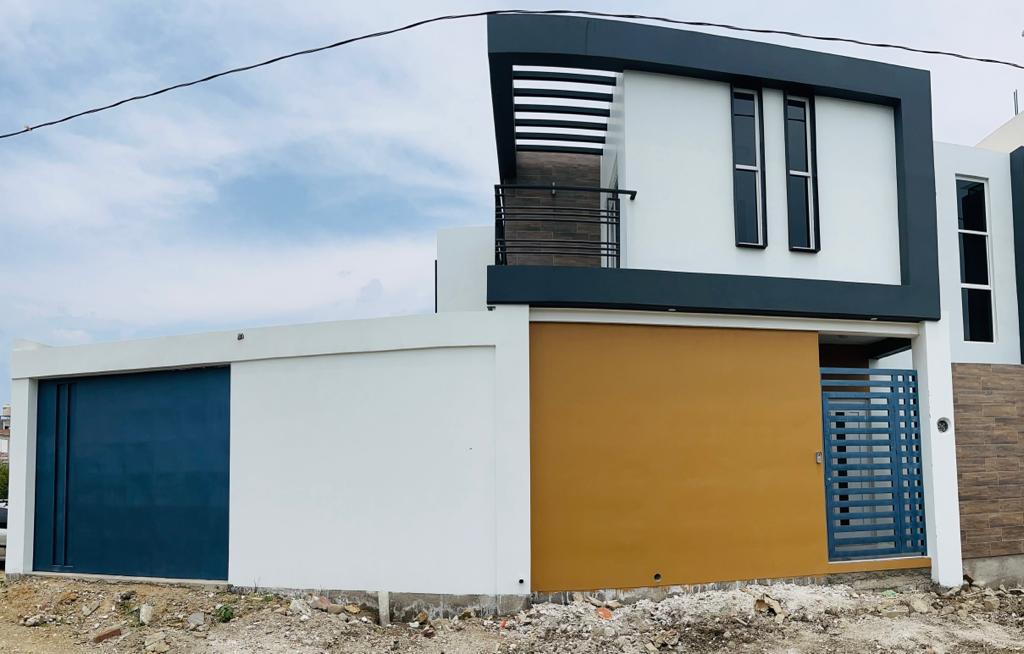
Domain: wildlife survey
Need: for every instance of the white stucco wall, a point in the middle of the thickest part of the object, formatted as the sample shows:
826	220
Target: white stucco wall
388	454
993	167
676	152
376	471
463	254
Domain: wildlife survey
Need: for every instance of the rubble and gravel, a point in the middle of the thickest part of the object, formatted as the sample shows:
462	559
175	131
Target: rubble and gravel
52	614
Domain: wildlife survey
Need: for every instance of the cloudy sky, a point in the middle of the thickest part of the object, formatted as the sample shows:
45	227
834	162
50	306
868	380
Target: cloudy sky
311	190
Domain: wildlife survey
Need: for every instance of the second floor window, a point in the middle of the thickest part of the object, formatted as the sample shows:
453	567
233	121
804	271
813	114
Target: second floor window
975	276
800	192
748	168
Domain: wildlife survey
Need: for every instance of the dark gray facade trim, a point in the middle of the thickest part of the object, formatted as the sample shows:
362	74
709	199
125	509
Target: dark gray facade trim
616	46
1017	191
660	290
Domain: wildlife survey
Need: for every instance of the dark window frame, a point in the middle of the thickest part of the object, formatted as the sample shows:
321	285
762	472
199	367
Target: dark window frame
967	287
811	174
762	204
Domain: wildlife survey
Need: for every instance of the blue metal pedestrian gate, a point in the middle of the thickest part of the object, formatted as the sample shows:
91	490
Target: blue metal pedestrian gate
874	495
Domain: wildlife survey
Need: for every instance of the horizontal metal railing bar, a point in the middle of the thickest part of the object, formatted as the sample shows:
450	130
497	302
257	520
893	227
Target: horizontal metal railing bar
858	430
861	441
865	383
862	491
853	395
562	124
553	136
862	455
561	109
864	515
865	540
554	217
589	254
860	466
553	76
858	554
540	250
902	491
573	221
554	213
860	503
553	241
860	529
565	187
875	515
867	371
556	209
867	479
561	94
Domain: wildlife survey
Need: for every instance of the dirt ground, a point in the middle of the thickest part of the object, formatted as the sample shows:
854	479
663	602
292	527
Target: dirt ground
899	614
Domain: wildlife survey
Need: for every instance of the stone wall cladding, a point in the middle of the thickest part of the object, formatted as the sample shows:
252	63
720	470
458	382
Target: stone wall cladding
565	169
989	418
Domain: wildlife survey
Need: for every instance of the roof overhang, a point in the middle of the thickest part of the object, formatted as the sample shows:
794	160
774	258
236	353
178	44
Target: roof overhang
519	45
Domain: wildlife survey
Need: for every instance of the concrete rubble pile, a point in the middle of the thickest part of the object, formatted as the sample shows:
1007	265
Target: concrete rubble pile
862	615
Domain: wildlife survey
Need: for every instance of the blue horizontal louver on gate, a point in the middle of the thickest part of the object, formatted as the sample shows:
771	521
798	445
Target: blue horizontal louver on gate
874	492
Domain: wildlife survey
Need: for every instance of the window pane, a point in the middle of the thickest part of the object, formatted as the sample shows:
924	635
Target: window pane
796	110
977	308
973	259
796	145
799	212
744	144
971	205
743	103
745	195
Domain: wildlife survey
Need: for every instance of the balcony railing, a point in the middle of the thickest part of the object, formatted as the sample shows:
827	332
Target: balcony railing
557	225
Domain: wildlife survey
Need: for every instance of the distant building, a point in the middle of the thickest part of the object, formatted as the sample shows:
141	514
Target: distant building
5	431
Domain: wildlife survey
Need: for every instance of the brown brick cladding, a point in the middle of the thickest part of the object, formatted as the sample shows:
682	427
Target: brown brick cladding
566	169
989	413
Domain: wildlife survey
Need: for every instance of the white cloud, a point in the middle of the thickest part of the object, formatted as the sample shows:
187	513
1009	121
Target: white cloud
158	284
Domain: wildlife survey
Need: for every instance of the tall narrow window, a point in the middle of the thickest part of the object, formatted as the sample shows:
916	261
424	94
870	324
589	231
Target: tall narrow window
748	171
975	278
800	192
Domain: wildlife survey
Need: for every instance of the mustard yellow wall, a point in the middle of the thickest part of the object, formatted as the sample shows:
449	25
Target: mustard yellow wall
684	452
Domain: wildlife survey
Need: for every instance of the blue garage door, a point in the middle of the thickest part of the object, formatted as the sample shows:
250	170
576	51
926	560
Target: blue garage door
132	474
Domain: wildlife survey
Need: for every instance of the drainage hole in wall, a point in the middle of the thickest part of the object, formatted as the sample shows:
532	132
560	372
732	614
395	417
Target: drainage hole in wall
522	581
657	576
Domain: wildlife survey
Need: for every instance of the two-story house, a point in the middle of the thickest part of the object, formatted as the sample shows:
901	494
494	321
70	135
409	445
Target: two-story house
737	317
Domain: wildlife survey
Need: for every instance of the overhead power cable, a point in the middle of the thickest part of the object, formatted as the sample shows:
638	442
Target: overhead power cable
498	12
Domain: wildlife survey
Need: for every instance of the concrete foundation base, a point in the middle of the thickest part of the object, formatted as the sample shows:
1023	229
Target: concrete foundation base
902	580
996	570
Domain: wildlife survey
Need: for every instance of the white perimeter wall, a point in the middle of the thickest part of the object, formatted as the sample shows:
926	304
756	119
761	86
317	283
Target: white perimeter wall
676	152
388	454
365	471
952	161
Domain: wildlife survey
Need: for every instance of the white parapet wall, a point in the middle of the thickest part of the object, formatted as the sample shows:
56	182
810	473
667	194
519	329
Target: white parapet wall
463	254
388	454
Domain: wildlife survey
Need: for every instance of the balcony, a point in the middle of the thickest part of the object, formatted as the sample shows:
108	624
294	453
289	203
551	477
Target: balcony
538	225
